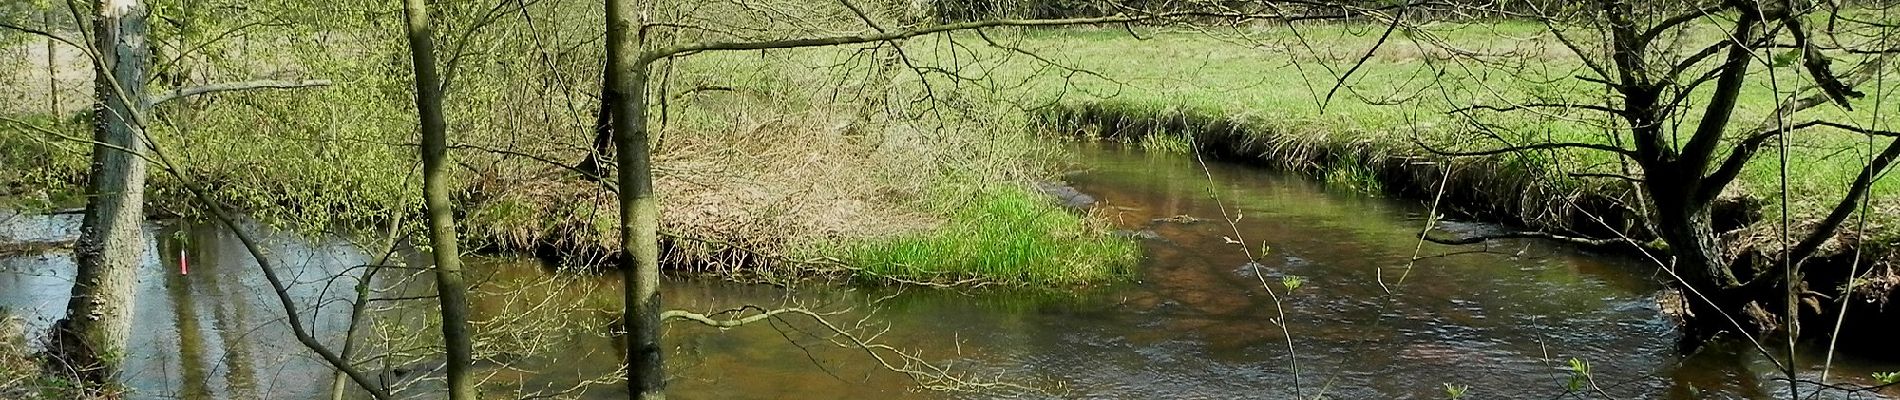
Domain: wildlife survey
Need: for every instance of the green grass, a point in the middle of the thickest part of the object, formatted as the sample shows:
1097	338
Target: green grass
1011	235
1271	82
787	151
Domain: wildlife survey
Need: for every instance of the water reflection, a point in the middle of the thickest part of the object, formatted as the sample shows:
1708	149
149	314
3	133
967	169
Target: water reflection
1196	324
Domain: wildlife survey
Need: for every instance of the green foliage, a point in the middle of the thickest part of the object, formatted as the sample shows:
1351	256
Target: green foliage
1887	378
1398	96
1009	235
1355	177
1456	392
1579	375
1292	282
1167	143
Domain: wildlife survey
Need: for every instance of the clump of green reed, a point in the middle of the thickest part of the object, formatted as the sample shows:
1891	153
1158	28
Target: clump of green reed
1354	177
1166	143
1003	235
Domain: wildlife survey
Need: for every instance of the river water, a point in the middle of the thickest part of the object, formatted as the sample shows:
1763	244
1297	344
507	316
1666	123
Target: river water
1197	322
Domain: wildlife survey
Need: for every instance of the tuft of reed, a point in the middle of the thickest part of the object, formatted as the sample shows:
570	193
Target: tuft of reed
1007	235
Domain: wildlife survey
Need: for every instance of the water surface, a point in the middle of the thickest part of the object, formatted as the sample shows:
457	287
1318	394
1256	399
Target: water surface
1197	322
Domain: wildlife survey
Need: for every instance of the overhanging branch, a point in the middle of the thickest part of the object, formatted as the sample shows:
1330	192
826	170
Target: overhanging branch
1528	147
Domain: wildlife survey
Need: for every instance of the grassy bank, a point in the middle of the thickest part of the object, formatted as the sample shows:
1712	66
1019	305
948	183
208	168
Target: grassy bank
1260	95
785	154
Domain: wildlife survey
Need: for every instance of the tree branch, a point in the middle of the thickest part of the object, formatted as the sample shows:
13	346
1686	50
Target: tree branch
1529	147
1697	153
1516	107
174	94
730	323
1825	230
1665	25
1738	158
1582	241
676	51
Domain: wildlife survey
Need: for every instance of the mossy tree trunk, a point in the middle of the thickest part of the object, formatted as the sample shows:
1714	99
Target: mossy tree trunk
91	338
451	291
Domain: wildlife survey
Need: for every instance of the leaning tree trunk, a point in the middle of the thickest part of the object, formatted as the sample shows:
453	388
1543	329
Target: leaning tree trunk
639	209
450	289
91	338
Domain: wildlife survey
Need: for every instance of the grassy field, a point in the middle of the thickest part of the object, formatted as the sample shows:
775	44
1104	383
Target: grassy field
1274	82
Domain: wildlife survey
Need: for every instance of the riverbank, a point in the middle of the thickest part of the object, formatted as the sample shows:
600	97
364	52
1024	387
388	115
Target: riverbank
1497	322
1245	98
769	167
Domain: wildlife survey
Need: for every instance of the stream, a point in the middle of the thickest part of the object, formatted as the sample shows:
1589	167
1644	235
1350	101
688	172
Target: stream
1196	322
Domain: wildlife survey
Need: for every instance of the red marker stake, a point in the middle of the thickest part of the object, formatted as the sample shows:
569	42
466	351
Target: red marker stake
183	268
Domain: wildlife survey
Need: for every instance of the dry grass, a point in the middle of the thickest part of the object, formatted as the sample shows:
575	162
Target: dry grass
793	154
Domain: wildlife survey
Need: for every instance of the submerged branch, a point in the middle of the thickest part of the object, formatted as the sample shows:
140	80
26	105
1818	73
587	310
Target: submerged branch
704	319
1583	241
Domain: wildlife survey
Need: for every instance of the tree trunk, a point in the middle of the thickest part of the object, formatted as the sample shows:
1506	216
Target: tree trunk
450	289
52	66
639	209
92	335
1710	288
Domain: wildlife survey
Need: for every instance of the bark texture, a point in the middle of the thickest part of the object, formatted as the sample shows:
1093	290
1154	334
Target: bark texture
91	338
639	208
450	288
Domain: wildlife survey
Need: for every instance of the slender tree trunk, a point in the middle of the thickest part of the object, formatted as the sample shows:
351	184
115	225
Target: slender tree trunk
639	209
52	66
98	319
450	289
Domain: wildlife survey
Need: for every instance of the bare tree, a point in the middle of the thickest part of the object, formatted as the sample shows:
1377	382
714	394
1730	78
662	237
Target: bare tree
1670	103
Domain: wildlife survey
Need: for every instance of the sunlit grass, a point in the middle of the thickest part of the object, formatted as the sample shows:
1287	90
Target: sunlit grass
1271	82
1009	235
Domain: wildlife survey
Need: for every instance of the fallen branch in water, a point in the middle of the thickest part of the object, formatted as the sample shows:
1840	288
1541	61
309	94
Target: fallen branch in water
33	247
1576	240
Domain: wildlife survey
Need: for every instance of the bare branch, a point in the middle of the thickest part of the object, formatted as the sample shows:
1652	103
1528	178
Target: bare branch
1825	230
1525	106
42	33
1738	158
676	51
1665	25
1582	241
174	94
729	323
1697	153
1529	147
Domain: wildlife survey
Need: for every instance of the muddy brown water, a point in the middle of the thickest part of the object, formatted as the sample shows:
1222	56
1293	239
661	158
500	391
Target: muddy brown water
1196	322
